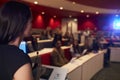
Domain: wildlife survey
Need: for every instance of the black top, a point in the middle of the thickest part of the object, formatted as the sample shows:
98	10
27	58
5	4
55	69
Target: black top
57	37
11	59
77	49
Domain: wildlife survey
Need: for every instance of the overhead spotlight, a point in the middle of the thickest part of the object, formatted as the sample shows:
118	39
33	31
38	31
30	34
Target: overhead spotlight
87	16
54	16
73	3
43	13
82	11
70	16
35	2
61	8
75	19
96	12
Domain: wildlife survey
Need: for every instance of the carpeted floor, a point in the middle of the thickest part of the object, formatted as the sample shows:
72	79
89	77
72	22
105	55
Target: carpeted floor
111	72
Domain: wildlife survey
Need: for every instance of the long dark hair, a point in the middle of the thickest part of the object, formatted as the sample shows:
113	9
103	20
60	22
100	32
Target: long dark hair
13	19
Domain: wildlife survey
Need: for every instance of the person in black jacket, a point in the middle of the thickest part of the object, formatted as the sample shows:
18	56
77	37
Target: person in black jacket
57	36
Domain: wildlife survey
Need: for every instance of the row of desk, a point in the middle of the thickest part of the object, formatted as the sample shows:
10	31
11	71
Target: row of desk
115	54
83	68
48	50
114	51
44	51
44	44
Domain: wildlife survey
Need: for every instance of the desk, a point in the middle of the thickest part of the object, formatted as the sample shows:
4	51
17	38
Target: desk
45	51
41	44
115	54
84	68
44	44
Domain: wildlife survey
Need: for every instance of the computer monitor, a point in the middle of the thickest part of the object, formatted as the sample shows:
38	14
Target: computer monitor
23	47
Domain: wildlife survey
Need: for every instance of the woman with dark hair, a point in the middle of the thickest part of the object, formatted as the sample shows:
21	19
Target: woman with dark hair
57	56
15	24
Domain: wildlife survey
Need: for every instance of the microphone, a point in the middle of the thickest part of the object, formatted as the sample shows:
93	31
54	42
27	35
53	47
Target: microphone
37	64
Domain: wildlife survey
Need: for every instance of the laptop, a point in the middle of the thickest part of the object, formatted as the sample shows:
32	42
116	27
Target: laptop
53	73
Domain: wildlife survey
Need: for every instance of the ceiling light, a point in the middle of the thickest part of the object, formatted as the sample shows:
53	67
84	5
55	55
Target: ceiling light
75	19
54	16
70	16
87	16
82	11
61	8
73	3
35	2
43	13
97	12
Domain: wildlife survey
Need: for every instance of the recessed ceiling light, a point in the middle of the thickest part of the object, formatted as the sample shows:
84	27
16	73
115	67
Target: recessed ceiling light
96	12
43	13
70	16
54	16
73	2
87	16
75	19
82	11
35	2
61	8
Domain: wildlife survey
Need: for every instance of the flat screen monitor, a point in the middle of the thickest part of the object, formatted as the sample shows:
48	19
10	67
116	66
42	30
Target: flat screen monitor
22	46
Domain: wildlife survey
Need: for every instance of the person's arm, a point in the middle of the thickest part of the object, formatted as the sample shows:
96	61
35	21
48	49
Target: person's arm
24	73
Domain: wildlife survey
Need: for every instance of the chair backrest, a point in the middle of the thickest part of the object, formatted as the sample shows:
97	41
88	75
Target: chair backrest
46	59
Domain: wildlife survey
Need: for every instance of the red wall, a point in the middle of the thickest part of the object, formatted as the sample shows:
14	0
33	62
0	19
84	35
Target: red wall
87	24
99	22
42	21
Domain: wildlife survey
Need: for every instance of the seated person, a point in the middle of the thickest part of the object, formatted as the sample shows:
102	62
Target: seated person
76	50
57	56
95	45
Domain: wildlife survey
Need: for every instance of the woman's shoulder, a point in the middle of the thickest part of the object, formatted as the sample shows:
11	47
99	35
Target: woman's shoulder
13	57
13	52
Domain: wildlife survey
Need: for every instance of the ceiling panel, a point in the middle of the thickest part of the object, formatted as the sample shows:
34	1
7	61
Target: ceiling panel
108	4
